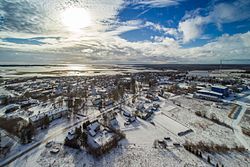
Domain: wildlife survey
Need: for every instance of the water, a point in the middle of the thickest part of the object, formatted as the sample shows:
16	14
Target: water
14	71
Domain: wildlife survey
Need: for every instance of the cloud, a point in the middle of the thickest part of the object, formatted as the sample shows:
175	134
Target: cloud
193	23
101	42
192	28
155	3
165	30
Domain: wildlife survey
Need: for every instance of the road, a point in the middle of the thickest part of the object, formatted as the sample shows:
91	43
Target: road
236	126
56	133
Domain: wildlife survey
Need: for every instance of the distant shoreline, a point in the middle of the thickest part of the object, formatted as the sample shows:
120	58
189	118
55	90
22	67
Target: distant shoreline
30	65
186	67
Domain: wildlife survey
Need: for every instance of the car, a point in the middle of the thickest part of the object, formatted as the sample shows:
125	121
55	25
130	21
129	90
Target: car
126	123
176	144
49	144
55	150
167	138
71	132
152	123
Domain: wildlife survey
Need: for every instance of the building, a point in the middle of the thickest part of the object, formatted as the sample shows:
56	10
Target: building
3	99
37	119
221	89
210	93
93	128
198	73
11	108
206	97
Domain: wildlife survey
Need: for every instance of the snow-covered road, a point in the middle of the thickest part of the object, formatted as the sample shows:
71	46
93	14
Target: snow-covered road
237	128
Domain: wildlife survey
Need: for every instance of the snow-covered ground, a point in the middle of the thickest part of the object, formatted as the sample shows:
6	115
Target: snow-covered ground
175	115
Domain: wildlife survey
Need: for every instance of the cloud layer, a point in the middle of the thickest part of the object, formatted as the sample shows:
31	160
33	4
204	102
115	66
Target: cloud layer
31	27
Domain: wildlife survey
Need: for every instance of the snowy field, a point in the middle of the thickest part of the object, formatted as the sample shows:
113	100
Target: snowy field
169	124
134	151
174	115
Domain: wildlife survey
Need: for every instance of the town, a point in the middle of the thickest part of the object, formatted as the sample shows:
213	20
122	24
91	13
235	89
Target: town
159	117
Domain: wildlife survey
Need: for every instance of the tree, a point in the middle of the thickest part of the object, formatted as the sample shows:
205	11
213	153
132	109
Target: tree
133	99
78	131
85	124
200	154
23	138
120	91
208	159
196	152
46	121
105	119
84	138
30	132
115	94
133	86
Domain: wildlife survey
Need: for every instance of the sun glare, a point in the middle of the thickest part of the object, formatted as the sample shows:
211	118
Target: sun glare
75	19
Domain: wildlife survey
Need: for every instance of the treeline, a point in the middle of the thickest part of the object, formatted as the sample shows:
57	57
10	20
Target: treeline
212	118
200	148
212	148
26	134
245	131
19	128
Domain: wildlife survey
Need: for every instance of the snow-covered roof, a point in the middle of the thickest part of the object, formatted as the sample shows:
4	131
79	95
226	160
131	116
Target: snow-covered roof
102	138
49	113
219	87
93	126
210	92
114	122
203	95
92	132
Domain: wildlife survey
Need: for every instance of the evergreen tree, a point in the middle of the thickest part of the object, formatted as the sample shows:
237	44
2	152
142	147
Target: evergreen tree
133	86
46	121
30	132
200	154
208	159
23	136
78	132
84	138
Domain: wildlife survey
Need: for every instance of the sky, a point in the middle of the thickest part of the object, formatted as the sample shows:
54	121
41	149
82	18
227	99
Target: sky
119	31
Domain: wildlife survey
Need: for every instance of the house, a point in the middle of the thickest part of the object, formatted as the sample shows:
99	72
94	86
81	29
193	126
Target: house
27	103
3	99
100	139
93	128
155	105
163	80
11	108
97	101
132	119
114	123
152	97
108	102
126	114
140	106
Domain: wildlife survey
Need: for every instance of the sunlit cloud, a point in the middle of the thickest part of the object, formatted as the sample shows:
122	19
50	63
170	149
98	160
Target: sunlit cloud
90	32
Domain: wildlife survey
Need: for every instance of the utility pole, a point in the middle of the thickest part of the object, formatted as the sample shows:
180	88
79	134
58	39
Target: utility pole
0	140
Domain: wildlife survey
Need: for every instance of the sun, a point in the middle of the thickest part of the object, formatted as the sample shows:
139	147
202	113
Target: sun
75	19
